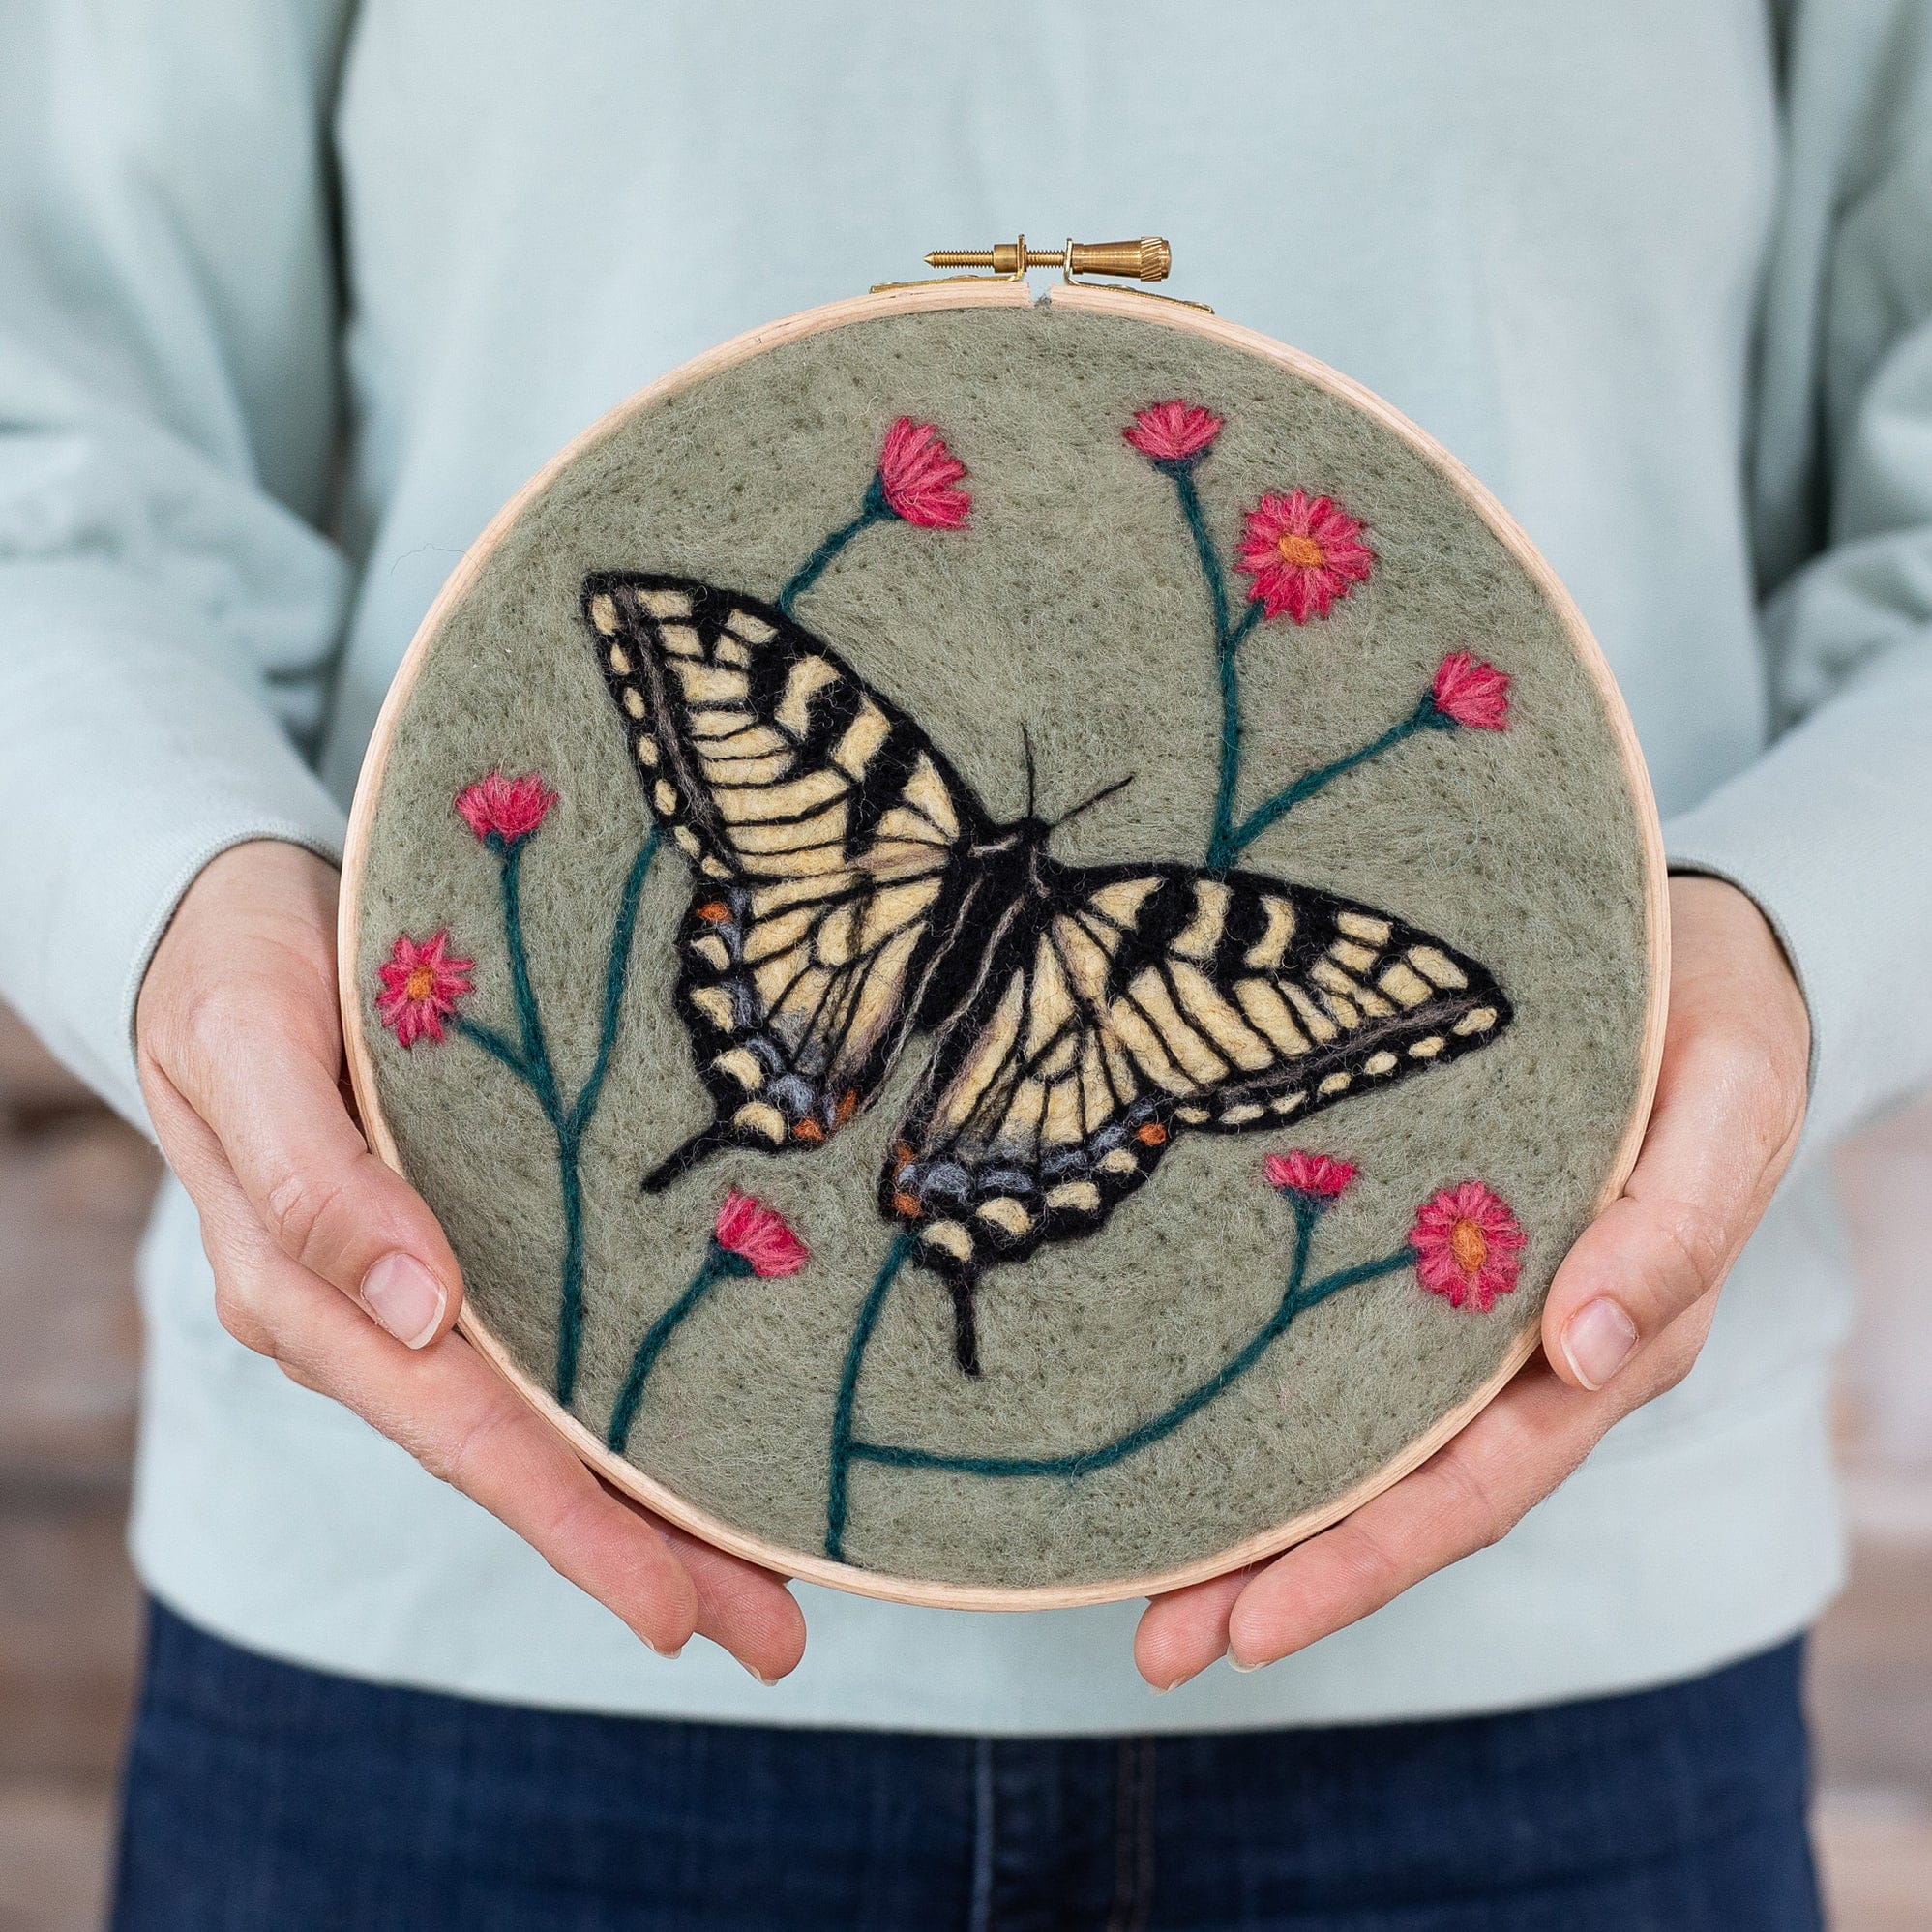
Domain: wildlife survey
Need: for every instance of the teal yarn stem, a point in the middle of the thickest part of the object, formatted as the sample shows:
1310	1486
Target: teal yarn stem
531	1064
843	1447
719	1265
570	1127
494	1045
1424	718
1295	1301
874	510
529	1021
617	972
1182	473
541	1079
1228	637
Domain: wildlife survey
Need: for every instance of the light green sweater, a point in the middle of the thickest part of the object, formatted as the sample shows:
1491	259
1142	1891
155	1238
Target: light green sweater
292	296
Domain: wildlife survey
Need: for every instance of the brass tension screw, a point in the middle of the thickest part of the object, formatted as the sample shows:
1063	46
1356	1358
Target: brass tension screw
1146	260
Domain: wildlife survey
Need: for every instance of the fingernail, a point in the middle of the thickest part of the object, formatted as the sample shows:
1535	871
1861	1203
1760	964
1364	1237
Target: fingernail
1187	1676
768	1682
406	1298
1260	1664
1597	1341
669	1656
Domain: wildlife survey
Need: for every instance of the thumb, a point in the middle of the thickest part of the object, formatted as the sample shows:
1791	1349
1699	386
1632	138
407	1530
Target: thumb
1719	1136
1730	1104
273	1102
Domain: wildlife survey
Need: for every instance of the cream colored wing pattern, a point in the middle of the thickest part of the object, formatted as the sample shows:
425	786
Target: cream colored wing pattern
828	837
1141	1002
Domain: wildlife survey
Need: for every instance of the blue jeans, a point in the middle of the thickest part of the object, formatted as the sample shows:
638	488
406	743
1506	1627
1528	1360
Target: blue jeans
262	1798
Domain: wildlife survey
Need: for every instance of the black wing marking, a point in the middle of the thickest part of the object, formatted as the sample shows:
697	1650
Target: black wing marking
1134	1003
831	840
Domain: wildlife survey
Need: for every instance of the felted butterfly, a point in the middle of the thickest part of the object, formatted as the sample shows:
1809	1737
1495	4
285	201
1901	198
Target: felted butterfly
852	892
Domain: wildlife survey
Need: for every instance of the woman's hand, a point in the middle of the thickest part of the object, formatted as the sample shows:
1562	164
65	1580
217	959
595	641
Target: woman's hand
329	1263
1628	1312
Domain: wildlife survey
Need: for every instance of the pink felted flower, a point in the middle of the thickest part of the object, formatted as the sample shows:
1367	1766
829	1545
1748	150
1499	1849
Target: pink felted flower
759	1234
1303	553
421	985
1175	432
507	810
1469	691
1467	1242
918	477
1315	1177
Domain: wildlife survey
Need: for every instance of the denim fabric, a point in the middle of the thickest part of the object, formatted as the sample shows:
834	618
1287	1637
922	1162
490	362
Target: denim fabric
261	1796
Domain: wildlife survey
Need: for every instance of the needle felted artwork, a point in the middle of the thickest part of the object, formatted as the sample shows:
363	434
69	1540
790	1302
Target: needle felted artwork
1010	938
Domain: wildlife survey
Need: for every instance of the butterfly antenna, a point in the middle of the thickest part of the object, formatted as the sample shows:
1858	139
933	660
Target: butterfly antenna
1106	791
1026	746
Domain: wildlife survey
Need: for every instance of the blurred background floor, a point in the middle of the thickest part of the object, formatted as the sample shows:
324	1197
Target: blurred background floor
74	1192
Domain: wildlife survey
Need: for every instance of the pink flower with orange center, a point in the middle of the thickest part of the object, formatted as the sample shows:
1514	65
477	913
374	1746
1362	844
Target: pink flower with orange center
421	985
1315	1177
759	1235
505	809
1469	691
1174	434
1304	554
918	477
1467	1242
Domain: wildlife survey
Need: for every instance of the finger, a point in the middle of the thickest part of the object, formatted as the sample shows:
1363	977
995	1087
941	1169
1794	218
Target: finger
265	1080
457	1418
1464	1499
1185	1630
744	1609
1525	1443
450	1409
1711	1155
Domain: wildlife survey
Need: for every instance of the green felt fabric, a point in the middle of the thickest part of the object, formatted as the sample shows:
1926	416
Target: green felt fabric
1071	605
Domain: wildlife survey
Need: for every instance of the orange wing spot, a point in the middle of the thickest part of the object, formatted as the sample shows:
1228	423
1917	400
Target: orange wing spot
902	1157
714	912
906	1205
1150	1135
849	1105
808	1130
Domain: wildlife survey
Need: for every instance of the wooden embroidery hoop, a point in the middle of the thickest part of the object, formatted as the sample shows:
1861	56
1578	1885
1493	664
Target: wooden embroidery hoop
1155	313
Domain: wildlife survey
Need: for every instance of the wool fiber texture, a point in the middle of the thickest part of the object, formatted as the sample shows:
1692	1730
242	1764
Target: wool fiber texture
1072	608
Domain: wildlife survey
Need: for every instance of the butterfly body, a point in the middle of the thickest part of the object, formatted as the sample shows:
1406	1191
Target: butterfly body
853	894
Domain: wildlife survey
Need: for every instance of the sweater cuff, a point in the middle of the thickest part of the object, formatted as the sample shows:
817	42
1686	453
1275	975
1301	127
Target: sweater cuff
1825	834
129	764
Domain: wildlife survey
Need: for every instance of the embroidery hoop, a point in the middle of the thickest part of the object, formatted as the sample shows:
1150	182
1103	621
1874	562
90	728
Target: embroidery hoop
922	298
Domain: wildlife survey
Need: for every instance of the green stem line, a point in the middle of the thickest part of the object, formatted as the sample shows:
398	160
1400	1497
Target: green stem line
1294	1301
843	1447
616	972
1424	718
1228	637
570	1299
1204	546
531	1064
1220	852
874	510
529	1021
718	1266
493	1044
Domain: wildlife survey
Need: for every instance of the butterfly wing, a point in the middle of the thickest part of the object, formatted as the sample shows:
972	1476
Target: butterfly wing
1135	1002
830	840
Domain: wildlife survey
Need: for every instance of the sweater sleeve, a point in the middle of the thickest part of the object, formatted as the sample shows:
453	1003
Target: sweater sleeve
168	409
1831	831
